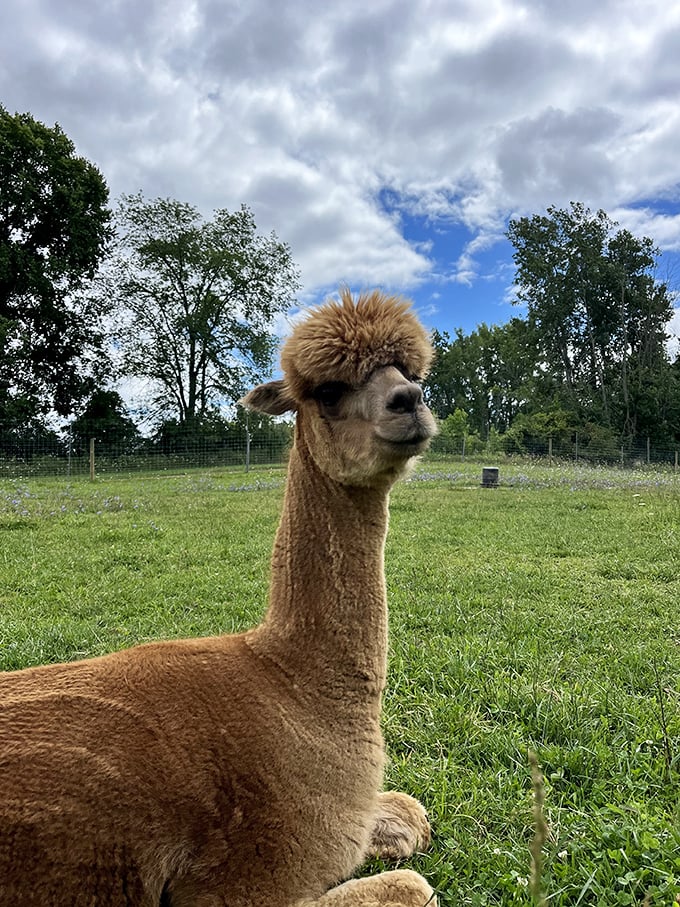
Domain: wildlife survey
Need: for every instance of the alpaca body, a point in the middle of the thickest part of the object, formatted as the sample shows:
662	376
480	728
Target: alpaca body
181	793
209	741
243	770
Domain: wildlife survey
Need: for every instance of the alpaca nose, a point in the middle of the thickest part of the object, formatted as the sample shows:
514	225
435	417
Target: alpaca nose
404	399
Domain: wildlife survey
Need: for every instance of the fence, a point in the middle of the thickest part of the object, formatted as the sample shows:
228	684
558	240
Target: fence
240	453
638	453
41	458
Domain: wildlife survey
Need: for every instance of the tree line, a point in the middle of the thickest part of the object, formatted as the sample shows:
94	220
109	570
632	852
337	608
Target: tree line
186	308
151	292
589	358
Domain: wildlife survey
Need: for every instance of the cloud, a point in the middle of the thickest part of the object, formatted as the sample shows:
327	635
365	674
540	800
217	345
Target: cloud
663	228
557	155
466	112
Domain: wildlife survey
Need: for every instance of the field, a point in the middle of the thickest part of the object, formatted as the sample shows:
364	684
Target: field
543	615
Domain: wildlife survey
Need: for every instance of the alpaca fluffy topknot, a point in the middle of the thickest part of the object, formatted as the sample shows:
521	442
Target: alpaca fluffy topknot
345	340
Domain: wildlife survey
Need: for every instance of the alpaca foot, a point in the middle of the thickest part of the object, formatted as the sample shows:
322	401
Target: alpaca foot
399	888
401	827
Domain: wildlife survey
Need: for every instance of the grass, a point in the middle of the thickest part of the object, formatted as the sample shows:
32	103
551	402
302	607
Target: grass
540	616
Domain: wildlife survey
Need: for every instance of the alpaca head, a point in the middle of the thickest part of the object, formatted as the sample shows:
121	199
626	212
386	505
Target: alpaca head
350	372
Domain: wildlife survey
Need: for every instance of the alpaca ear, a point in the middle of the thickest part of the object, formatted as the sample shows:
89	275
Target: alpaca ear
272	398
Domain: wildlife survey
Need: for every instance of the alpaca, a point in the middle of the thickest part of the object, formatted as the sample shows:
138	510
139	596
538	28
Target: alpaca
244	770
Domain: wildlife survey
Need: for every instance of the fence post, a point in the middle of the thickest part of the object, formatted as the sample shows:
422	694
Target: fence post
463	446
675	468
91	459
577	447
247	450
550	451
648	451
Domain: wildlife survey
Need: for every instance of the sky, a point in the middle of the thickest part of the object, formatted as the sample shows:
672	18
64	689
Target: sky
388	143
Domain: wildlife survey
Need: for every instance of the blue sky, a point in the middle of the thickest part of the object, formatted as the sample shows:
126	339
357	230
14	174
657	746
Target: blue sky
465	288
462	294
387	143
488	296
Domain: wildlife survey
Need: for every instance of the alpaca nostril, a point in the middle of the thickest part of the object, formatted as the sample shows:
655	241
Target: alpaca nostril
404	399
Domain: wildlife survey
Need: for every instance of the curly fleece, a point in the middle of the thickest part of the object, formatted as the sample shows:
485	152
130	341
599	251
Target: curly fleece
346	340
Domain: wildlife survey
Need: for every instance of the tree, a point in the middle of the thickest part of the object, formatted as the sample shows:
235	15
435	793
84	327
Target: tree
197	301
227	439
455	435
597	309
558	258
533	432
641	370
105	419
489	374
54	231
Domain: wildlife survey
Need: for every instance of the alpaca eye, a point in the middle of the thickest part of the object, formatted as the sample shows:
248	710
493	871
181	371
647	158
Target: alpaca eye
407	374
330	394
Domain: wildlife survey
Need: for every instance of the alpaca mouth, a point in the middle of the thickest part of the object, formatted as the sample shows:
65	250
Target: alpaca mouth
413	433
407	443
415	440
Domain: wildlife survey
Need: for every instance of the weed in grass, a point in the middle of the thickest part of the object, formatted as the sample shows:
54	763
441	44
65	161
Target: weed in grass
540	832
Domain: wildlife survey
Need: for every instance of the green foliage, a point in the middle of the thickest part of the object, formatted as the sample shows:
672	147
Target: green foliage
27	442
489	374
105	419
269	439
533	432
601	439
207	431
197	301
54	231
592	347
455	426
455	435
599	314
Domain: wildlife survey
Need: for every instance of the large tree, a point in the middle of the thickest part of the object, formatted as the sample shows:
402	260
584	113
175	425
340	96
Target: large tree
598	311
54	231
645	384
197	301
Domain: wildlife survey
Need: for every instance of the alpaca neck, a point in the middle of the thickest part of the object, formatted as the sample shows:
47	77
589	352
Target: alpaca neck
326	626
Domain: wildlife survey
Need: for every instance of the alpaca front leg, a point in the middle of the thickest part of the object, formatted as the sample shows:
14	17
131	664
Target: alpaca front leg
399	888
401	827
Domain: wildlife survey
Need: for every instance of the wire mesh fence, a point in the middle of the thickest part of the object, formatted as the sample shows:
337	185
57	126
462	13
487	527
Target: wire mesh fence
49	457
243	450
633	454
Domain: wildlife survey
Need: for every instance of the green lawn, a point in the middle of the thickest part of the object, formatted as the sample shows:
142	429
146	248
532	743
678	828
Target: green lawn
542	615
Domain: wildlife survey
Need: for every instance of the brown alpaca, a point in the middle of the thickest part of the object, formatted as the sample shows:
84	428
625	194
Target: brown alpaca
244	771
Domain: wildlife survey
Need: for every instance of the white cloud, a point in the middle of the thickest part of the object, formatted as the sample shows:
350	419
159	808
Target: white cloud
664	229
467	112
